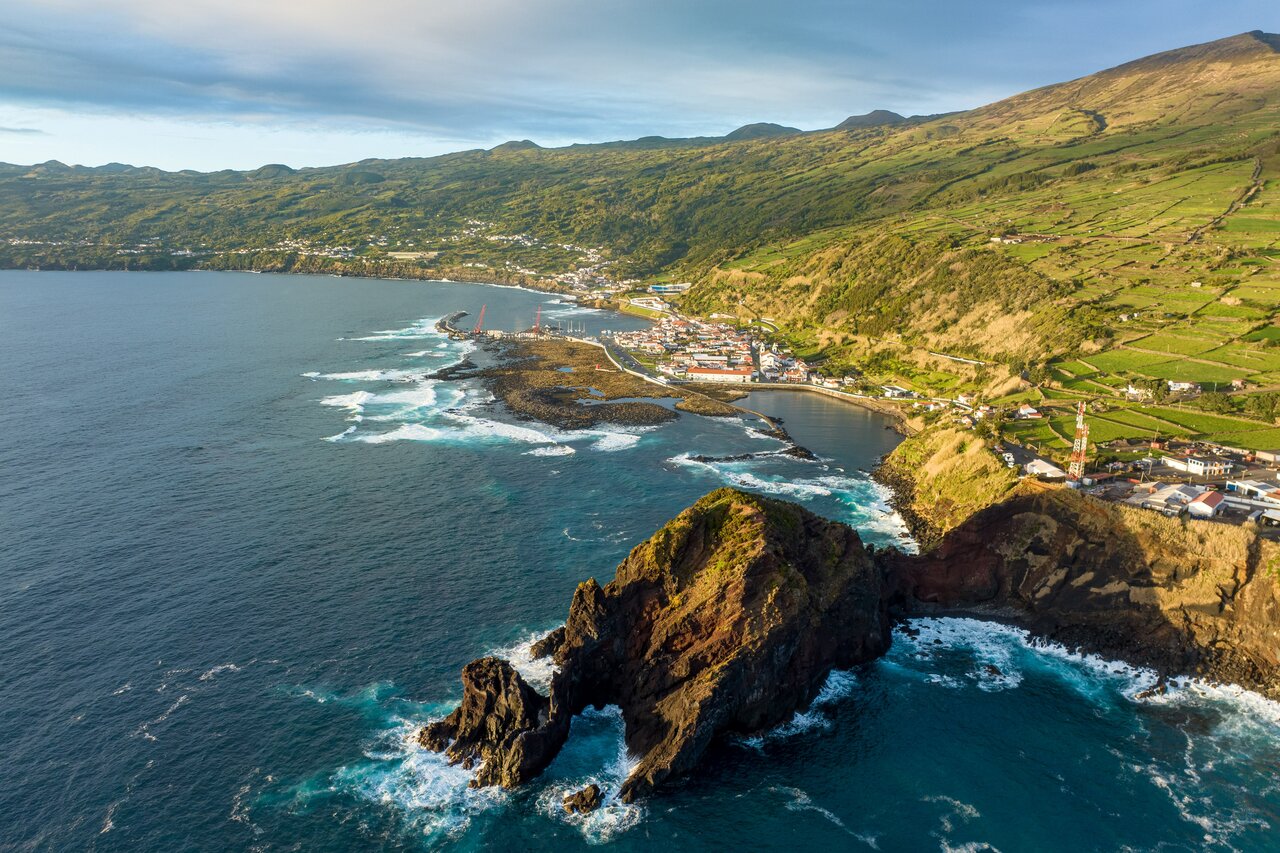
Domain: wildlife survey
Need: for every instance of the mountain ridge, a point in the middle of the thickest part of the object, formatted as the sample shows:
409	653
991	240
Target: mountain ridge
1252	44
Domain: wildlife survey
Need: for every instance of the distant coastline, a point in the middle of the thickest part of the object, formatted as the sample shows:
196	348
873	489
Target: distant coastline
898	419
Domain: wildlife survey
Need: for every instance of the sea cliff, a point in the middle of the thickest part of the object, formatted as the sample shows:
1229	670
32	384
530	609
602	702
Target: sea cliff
1179	596
731	616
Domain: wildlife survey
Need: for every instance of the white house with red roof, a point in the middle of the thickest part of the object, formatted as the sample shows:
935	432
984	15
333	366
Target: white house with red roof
1206	505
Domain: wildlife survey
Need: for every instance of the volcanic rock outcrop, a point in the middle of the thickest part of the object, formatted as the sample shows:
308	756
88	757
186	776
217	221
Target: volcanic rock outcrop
503	728
728	619
1179	596
585	801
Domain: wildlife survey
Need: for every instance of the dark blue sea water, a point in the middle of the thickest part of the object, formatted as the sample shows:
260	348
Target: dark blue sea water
246	544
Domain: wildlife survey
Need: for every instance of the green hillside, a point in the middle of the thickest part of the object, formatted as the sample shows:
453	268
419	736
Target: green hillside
1129	220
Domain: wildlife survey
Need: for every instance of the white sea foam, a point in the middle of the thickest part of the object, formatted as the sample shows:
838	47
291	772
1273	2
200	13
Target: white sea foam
405	432
613	817
370	375
839	685
354	402
458	428
1245	712
108	822
214	672
1237	732
537	671
800	801
992	647
404	402
866	500
612	442
957	810
475	427
554	450
433	799
342	435
437	411
424	328
733	473
431	796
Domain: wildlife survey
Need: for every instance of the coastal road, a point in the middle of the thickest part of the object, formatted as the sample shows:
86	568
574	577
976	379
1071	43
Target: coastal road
625	359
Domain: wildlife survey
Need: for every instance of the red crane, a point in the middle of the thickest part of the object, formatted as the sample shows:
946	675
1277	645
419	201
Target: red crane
1080	448
479	321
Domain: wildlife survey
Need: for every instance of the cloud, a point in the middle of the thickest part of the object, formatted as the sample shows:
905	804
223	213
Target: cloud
564	70
22	131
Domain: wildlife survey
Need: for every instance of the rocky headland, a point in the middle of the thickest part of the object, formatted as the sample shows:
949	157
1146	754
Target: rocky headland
730	618
573	385
1178	596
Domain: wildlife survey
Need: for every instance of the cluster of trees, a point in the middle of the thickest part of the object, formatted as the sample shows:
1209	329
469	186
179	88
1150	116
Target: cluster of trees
1264	406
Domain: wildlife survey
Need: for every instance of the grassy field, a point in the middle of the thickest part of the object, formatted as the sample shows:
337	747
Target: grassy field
1137	422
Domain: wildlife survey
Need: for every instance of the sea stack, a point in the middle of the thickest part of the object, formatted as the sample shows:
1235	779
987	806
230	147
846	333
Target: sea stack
728	619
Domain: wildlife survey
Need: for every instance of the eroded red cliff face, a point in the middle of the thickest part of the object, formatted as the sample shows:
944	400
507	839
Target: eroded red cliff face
1184	597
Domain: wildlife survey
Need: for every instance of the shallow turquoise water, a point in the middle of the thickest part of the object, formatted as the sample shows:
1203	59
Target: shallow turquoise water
247	545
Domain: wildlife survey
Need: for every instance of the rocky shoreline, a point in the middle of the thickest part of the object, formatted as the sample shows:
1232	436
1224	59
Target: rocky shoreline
1181	598
902	497
730	617
572	385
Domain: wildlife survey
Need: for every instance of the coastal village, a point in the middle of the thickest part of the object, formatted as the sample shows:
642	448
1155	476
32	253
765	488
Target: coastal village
1182	469
1171	476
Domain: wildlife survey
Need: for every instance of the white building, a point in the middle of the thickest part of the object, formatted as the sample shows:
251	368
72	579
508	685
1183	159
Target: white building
1255	490
1041	468
1206	505
1199	466
719	374
1169	499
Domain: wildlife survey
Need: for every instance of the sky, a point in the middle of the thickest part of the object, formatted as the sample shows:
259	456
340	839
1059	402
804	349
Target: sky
213	84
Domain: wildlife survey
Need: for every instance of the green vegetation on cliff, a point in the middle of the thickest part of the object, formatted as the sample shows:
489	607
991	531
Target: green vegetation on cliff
941	477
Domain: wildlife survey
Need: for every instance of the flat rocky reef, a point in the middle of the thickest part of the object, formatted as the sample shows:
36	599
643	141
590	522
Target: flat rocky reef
574	385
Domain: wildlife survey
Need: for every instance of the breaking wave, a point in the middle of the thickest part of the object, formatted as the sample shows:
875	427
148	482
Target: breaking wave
595	755
840	684
431	799
555	450
423	328
426	409
1230	734
370	375
863	502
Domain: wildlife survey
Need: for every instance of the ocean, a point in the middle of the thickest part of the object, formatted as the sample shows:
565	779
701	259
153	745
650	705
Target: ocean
247	543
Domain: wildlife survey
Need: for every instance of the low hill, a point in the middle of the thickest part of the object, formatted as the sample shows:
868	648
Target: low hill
875	118
760	130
